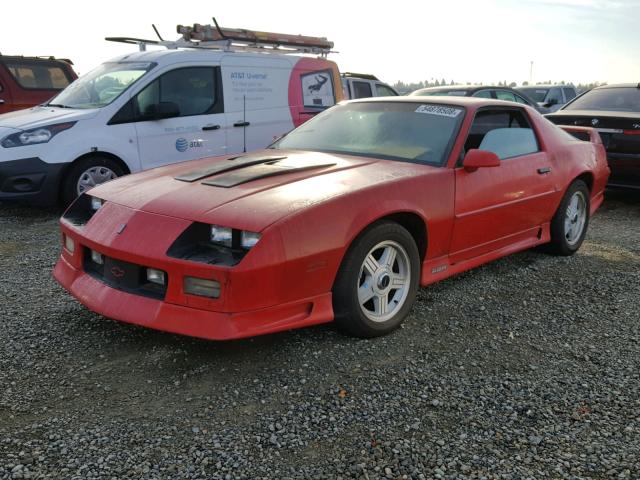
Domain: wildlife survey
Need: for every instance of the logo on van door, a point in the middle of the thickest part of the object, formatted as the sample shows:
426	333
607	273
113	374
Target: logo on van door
182	144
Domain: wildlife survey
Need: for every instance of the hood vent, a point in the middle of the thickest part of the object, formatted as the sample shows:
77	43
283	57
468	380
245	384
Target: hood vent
225	166
256	172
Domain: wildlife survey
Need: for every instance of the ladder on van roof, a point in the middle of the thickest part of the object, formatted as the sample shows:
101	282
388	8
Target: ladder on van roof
235	39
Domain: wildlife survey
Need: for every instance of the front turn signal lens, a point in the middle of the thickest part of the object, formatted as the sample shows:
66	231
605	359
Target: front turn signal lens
69	244
201	287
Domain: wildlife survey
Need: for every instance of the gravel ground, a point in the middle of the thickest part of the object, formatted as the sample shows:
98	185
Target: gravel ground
525	368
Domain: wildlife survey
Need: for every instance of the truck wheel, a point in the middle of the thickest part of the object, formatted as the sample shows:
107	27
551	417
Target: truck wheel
88	173
377	282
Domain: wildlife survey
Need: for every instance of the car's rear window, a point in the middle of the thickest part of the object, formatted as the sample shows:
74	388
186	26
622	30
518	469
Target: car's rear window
619	99
415	132
37	75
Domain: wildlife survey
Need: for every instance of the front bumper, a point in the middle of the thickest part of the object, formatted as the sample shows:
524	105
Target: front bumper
252	299
31	180
159	315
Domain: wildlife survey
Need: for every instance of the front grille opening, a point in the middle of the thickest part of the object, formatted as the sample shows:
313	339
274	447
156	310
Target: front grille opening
124	276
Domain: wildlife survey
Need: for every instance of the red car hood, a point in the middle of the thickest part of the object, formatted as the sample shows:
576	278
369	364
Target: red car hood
254	203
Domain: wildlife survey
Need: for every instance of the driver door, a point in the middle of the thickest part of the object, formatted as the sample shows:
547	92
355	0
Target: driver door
198	130
497	207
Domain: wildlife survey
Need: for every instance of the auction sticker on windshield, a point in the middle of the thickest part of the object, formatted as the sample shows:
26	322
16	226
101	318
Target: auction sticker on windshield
439	110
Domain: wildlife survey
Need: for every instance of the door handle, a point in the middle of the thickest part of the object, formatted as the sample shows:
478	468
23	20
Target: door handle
241	124
211	127
544	170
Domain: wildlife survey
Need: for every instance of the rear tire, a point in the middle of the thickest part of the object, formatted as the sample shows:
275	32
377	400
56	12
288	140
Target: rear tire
571	220
377	282
88	173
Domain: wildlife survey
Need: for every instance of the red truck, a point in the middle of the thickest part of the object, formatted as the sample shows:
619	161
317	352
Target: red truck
29	81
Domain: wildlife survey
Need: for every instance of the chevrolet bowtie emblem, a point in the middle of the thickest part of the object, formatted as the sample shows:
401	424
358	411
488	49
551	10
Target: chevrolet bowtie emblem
594	122
121	228
117	272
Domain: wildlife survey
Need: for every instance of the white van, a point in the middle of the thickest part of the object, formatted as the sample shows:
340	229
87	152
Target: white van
153	108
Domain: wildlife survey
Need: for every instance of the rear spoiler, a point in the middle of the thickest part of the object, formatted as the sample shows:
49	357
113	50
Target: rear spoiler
586	134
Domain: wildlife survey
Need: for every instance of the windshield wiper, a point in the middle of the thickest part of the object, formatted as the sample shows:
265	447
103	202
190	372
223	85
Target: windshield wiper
59	105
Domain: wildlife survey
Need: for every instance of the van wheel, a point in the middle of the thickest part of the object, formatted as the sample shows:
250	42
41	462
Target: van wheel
88	173
377	282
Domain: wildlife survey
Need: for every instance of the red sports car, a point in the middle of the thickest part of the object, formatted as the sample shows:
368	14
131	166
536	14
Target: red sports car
342	219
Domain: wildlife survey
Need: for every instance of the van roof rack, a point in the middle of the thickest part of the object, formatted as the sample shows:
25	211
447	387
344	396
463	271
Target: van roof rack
235	39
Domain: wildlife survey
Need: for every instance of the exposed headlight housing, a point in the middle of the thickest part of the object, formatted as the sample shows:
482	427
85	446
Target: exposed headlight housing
35	136
213	244
248	240
222	235
96	203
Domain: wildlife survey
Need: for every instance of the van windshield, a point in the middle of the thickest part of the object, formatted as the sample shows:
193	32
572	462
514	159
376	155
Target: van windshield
101	86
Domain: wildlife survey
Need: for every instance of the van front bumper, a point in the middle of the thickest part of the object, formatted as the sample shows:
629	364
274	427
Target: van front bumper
31	180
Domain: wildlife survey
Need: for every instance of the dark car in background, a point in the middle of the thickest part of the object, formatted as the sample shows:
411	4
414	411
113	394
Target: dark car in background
483	91
552	97
613	110
29	81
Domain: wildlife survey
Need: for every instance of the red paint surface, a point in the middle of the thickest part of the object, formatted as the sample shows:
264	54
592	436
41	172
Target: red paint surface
309	219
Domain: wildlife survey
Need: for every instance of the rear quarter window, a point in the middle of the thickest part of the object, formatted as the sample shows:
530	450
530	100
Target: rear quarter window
38	75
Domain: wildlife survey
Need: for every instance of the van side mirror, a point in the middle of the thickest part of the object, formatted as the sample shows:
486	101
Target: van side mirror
551	102
475	159
158	111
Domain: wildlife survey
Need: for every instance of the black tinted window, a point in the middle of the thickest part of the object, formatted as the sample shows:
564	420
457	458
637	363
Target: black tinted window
555	95
38	75
483	94
192	89
569	93
621	99
507	133
505	95
362	90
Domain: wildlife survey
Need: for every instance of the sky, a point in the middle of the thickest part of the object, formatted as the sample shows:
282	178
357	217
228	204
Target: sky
486	41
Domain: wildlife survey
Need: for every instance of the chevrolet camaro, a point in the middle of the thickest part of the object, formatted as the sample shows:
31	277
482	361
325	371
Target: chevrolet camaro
341	220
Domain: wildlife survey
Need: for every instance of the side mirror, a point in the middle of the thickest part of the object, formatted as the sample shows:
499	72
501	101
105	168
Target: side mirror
551	102
158	111
475	159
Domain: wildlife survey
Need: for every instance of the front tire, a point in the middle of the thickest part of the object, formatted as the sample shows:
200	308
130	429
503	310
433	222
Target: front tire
377	281
86	174
571	220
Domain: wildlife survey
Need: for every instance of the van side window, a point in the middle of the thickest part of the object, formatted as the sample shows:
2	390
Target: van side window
507	133
569	93
192	89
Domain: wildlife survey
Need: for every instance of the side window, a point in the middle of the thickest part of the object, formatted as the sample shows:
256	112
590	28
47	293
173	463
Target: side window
569	93
519	99
362	90
483	94
505	95
384	91
507	133
193	89
555	95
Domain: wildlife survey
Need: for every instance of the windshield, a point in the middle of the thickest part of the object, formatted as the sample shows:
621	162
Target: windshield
537	94
100	86
414	132
619	99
